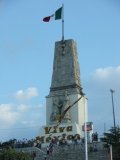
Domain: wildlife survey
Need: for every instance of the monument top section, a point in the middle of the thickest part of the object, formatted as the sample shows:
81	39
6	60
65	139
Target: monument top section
66	72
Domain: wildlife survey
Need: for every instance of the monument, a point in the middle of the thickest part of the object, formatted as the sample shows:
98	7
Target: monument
64	91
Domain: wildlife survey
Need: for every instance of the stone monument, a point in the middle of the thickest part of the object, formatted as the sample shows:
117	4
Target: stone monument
65	90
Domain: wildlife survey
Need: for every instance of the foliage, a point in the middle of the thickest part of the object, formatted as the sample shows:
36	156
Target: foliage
113	138
11	154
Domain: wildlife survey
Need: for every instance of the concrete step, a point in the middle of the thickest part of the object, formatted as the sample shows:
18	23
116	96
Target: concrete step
77	152
71	152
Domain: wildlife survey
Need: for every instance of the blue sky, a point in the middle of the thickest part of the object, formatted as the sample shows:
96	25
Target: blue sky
26	60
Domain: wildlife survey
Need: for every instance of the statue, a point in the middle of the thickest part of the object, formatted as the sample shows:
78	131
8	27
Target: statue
59	105
66	105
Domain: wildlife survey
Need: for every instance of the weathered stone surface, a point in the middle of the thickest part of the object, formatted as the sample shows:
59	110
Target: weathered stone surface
77	152
70	152
65	90
66	73
65	86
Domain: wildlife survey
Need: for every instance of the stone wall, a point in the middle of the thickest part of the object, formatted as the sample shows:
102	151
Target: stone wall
77	152
71	152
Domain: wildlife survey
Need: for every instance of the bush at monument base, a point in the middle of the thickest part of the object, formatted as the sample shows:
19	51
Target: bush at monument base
11	154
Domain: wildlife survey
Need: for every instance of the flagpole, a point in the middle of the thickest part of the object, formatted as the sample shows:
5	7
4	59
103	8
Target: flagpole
62	22
85	129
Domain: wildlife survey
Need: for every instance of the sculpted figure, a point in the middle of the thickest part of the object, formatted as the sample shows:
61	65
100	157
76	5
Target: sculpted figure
66	104
59	105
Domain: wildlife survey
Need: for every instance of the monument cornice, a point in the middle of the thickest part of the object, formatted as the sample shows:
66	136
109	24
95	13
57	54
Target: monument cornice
65	87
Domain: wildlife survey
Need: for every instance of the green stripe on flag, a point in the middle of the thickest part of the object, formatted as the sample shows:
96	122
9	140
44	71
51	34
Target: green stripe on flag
58	14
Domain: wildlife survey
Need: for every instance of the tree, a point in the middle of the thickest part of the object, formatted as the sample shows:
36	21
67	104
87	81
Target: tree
11	154
113	138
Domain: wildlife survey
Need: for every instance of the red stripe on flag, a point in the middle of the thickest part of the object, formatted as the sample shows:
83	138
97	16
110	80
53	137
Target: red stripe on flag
47	19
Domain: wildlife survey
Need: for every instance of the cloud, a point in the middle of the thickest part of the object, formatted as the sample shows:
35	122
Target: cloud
26	94
20	120
106	73
7	115
23	107
109	76
29	123
99	96
29	108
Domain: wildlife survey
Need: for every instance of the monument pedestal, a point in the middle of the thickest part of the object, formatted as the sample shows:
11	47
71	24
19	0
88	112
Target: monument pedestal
63	131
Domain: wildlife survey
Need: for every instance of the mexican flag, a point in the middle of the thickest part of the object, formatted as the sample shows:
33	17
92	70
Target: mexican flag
56	16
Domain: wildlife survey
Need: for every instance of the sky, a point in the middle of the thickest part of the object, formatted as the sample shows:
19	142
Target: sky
26	60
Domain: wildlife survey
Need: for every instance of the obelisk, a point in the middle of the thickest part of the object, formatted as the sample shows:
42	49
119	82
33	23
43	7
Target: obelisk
66	88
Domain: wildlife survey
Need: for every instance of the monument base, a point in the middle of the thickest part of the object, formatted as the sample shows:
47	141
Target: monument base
63	131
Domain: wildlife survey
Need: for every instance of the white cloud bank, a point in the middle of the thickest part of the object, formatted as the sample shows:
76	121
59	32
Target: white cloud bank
23	108
21	119
106	73
26	94
109	76
8	116
12	114
99	96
